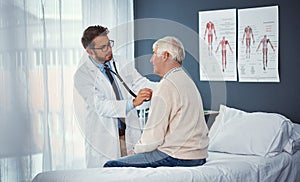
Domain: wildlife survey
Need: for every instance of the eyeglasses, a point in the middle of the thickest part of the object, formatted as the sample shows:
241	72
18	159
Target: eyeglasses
105	47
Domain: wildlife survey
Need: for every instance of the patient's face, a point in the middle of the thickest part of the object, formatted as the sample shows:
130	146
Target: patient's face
157	62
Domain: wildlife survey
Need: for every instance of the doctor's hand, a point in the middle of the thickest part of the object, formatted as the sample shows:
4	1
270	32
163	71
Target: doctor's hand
144	94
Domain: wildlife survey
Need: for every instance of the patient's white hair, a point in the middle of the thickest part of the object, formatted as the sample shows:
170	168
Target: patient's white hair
171	45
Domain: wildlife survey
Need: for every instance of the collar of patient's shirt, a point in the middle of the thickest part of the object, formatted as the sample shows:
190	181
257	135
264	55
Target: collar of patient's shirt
100	66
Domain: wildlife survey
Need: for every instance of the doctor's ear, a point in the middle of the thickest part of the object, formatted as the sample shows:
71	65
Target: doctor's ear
89	51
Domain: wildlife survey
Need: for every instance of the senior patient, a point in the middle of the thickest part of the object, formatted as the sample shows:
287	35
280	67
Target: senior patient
176	133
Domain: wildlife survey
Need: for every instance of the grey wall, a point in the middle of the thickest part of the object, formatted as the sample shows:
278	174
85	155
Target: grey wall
156	18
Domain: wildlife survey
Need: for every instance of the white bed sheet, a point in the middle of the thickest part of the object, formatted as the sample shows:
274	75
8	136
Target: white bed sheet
220	167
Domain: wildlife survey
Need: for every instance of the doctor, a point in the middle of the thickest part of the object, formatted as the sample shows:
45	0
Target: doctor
104	108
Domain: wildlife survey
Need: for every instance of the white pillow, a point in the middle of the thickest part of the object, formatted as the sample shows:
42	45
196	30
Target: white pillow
225	114
258	133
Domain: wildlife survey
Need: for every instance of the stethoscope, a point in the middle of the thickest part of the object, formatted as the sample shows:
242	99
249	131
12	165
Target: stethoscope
120	78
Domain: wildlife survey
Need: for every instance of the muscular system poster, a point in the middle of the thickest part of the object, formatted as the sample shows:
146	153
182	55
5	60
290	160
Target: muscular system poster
217	45
258	44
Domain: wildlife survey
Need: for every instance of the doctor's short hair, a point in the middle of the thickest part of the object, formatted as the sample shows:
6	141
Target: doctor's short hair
171	45
92	32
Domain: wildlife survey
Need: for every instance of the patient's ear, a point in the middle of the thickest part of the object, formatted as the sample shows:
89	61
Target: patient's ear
166	55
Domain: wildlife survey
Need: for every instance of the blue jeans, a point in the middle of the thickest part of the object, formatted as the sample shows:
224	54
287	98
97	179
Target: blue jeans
155	158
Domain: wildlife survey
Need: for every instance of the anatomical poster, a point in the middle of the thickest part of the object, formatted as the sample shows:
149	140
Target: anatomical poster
258	44
217	45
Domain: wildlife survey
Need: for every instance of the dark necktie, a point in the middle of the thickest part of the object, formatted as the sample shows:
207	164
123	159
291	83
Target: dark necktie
112	81
122	125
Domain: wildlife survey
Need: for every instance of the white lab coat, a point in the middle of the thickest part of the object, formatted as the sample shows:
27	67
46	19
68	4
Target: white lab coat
97	110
